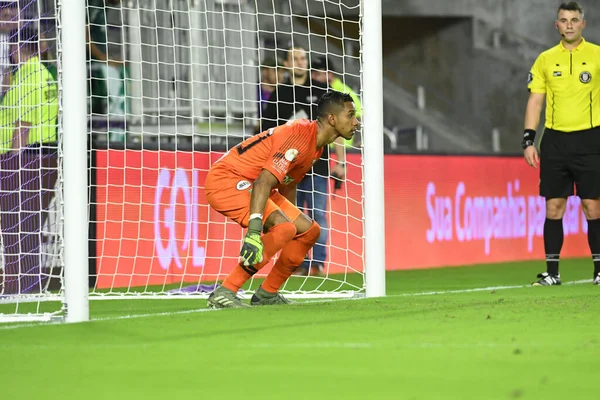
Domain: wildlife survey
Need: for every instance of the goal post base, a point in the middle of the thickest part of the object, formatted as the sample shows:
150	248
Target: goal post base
45	317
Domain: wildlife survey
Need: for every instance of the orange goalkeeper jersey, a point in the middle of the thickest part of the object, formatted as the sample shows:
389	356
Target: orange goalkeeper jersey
287	151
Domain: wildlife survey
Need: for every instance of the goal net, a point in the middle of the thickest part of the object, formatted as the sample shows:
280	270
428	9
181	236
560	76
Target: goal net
172	85
196	82
30	165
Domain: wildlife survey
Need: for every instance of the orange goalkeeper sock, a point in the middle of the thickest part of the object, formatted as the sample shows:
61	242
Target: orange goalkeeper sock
273	241
290	258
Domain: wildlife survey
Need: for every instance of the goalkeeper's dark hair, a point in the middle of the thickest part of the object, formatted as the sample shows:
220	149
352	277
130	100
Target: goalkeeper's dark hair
571	6
332	102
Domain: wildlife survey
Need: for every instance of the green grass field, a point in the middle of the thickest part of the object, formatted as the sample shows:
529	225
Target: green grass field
505	343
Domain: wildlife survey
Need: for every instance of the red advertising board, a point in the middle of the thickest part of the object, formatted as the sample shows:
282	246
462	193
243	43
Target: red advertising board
450	211
154	226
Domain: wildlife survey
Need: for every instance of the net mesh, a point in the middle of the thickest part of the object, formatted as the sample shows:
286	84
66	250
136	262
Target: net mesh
196	80
30	164
172	85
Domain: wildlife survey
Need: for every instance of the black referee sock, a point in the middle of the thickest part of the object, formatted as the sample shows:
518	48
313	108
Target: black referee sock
553	241
594	242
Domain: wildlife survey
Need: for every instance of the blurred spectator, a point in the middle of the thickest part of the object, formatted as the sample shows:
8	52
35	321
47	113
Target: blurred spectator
107	70
270	75
47	33
295	98
28	162
322	70
8	22
13	15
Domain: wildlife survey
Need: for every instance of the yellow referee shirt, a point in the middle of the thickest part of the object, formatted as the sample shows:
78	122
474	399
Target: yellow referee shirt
571	82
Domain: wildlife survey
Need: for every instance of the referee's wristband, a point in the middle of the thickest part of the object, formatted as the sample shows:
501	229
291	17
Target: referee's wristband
528	138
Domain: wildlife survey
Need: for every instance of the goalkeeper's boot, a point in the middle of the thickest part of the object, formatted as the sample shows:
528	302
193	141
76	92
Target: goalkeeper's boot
222	297
546	279
264	298
597	279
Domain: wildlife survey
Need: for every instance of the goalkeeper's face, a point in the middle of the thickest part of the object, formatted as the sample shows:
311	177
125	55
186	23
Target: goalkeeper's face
346	123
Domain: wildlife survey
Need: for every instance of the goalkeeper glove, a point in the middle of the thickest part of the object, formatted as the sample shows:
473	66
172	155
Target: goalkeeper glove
252	249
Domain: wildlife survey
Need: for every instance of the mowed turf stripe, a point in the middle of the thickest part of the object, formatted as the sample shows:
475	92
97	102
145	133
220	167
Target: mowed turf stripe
168	313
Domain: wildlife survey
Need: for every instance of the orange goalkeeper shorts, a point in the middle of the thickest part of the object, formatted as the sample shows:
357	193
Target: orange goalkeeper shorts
229	194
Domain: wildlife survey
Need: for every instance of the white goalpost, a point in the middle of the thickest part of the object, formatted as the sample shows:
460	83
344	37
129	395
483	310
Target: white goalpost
170	86
373	150
75	163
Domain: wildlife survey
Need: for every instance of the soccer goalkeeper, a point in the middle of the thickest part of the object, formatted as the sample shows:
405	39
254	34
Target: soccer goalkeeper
254	184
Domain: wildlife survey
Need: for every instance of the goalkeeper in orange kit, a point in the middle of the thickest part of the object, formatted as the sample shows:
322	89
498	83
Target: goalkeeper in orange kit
254	184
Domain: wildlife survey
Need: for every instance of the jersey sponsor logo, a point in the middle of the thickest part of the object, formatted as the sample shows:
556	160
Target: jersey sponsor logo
529	78
291	155
585	77
281	165
287	180
279	155
557	73
243	185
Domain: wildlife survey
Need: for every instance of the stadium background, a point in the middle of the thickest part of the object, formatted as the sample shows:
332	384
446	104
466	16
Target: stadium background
457	194
454	85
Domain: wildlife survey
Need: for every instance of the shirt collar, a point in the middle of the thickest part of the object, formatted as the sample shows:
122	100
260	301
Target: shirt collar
579	47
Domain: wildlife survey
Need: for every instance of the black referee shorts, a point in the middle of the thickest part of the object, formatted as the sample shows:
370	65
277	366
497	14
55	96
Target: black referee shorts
569	160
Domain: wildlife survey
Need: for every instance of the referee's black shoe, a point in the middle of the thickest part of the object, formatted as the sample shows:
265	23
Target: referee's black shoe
597	280
545	279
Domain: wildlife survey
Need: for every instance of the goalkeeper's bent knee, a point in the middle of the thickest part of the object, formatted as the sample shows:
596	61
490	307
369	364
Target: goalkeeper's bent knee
286	231
309	236
304	242
276	239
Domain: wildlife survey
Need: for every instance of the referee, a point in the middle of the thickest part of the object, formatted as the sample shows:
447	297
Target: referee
567	76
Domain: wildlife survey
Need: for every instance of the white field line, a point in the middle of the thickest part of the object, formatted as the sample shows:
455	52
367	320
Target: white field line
483	289
134	316
369	345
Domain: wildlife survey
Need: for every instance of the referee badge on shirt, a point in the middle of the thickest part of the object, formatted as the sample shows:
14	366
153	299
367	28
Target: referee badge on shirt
529	78
585	77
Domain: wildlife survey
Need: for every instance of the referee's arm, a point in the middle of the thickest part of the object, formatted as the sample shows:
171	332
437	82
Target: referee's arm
534	108
532	120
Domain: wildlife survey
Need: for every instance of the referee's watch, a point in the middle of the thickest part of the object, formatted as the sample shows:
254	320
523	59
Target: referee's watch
528	138
526	143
